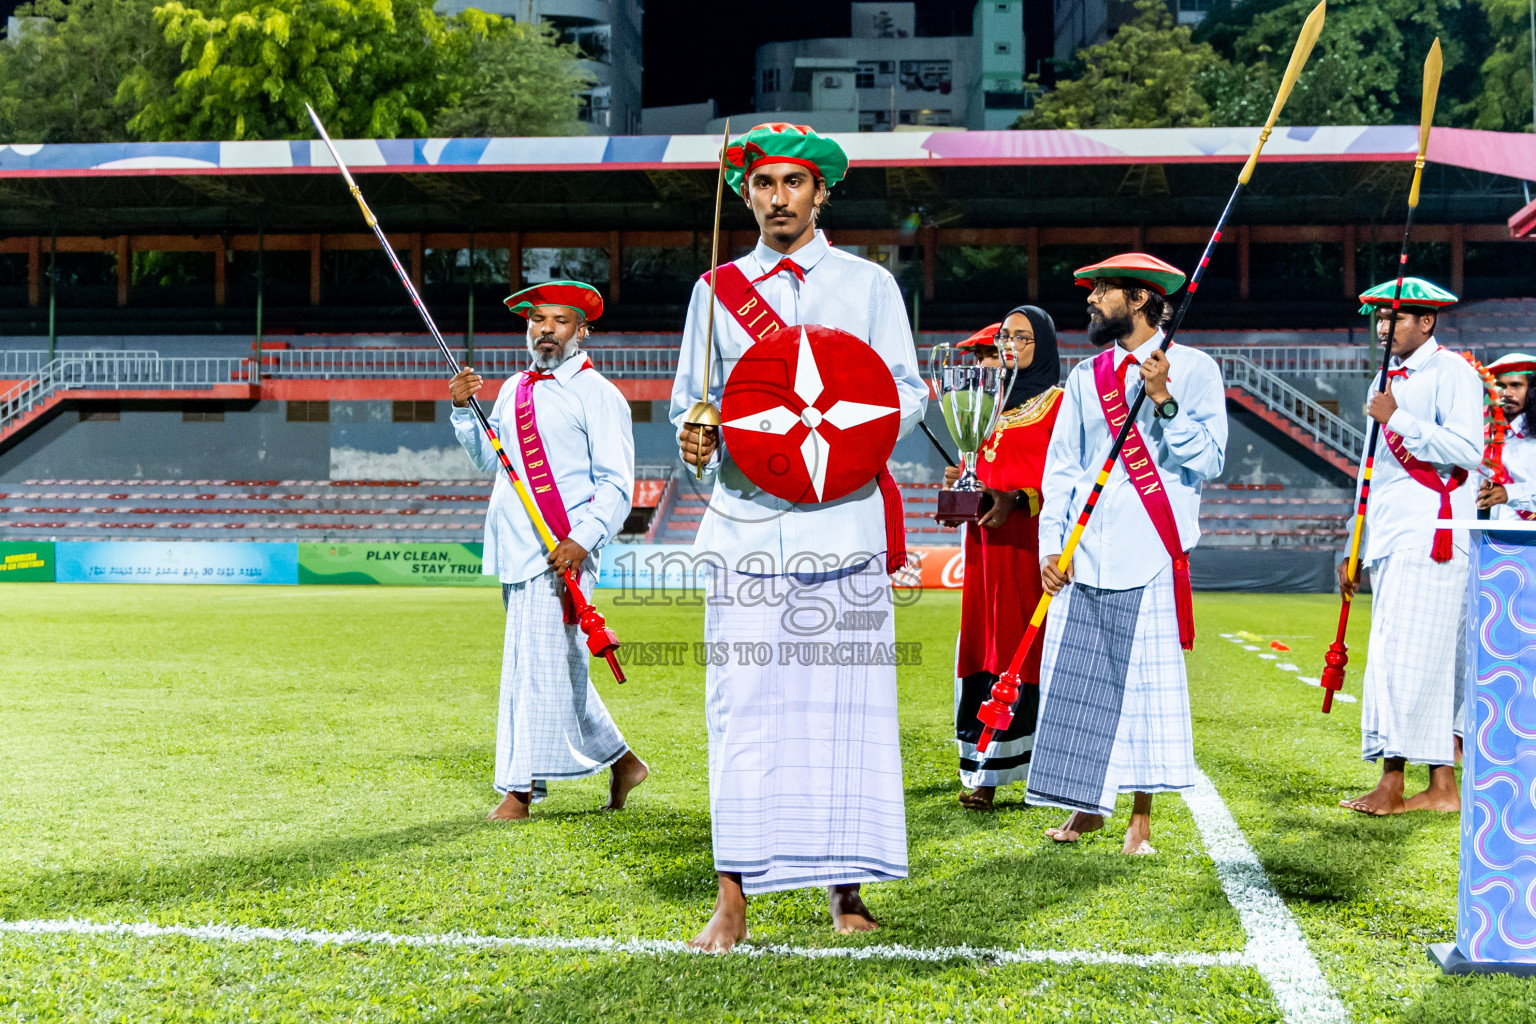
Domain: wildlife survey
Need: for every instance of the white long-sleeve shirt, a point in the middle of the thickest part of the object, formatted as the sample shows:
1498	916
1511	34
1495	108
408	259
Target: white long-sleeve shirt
584	423
1120	548
1520	460
1440	417
753	529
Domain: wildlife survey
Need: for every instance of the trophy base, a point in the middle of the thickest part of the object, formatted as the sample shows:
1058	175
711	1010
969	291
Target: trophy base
962	506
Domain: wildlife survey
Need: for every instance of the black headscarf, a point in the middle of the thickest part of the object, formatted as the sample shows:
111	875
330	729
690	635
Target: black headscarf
1044	370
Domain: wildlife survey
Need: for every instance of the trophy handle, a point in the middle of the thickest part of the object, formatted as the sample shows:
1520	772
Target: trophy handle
938	362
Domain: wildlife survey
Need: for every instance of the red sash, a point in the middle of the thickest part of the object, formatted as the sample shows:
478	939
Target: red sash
759	320
537	472
1425	474
1523	514
1142	469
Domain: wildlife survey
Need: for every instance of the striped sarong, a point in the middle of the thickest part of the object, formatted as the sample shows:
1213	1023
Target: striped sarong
805	784
1009	752
1415	667
1114	699
550	722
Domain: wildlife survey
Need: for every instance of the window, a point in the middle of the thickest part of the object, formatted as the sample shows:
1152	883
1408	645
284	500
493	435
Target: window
415	412
1003	9
1004	48
102	412
874	120
770	80
309	412
928	117
864	78
887	67
927	76
202	414
640	412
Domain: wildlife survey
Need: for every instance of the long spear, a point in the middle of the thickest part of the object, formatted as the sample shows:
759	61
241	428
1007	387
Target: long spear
996	714
1338	651
601	640
704	414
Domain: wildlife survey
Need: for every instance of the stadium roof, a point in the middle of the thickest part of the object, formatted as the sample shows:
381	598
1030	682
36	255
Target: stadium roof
1504	153
1000	178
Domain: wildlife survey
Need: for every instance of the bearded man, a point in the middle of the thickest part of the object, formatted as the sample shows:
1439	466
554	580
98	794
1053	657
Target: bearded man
568	433
1114	698
1516	499
805	784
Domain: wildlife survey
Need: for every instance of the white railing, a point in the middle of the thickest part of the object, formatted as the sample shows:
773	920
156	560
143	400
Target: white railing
116	371
1324	425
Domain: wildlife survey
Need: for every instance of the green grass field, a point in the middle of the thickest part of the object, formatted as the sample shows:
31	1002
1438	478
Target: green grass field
320	758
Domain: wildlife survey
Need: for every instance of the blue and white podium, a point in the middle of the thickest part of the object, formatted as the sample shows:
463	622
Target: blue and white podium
1496	896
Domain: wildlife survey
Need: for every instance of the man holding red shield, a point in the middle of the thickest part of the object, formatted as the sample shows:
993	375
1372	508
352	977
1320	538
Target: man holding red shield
804	754
1114	699
1431	411
568	432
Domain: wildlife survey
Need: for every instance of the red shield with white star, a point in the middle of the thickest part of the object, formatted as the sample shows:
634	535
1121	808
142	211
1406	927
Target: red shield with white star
810	414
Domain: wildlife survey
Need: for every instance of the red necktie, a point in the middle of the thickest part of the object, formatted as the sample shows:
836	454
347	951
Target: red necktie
784	264
1125	364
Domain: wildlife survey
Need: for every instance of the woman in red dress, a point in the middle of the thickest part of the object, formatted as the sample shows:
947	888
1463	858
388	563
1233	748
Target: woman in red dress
1002	560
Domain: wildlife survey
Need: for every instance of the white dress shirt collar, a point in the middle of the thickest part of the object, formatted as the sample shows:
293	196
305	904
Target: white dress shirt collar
568	369
805	257
1142	352
1421	355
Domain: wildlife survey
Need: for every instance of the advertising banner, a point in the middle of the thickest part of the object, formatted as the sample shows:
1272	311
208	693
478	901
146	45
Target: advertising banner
26	562
641	568
175	562
420	565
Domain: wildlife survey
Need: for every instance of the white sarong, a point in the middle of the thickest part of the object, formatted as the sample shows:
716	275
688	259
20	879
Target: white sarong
1410	701
805	784
550	722
1153	746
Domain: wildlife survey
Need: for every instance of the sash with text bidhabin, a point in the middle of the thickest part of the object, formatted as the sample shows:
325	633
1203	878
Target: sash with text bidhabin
540	477
1142	470
747	305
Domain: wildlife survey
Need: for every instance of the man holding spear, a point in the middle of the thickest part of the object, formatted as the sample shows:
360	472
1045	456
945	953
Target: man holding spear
1114	699
569	430
1430	413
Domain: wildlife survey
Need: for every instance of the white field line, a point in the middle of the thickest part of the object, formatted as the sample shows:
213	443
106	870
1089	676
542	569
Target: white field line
642	947
1276	947
1285	666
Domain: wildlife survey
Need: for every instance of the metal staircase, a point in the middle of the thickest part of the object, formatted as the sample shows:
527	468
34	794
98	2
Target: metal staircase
1274	400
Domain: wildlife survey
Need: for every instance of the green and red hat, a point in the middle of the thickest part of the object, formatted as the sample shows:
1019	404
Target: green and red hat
781	142
987	336
1417	294
1163	278
1514	362
583	298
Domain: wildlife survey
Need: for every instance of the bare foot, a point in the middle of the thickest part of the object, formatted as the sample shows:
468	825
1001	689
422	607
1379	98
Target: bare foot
1379	802
978	799
627	773
728	925
1138	836
513	807
849	914
1441	794
1075	827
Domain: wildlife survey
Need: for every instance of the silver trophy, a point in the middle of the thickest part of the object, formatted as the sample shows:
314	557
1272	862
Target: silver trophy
972	397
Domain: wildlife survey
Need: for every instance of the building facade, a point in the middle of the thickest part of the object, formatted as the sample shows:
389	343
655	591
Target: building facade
607	32
1083	23
884	76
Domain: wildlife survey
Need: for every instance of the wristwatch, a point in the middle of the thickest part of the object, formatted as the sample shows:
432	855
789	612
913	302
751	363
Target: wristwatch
1166	410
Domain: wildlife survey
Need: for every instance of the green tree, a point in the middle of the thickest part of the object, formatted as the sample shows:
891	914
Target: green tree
517	79
1145	76
371	68
59	80
1504	102
1367	67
